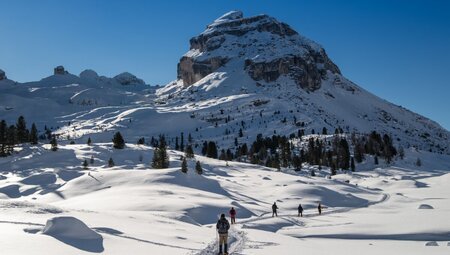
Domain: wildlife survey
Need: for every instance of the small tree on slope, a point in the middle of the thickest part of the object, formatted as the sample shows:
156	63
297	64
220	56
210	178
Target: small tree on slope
198	168
118	141
184	167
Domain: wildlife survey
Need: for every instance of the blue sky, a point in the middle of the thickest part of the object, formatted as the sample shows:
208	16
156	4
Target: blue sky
398	50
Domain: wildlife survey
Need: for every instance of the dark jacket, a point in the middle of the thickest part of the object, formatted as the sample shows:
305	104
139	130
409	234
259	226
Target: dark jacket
222	226
300	208
233	212
274	207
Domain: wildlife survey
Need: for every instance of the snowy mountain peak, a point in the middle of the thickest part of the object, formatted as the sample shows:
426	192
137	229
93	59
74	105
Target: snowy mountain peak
232	15
261	45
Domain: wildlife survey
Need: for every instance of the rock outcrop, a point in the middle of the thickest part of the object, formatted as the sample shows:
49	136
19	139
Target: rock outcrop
59	70
263	46
2	75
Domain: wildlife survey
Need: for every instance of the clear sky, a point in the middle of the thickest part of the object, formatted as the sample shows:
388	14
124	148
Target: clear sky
398	50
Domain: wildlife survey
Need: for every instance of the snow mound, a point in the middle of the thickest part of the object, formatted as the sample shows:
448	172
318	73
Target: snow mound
74	232
128	79
432	243
40	179
425	206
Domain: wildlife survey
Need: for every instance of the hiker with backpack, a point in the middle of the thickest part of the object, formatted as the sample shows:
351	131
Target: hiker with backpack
274	209
222	227
300	210
233	215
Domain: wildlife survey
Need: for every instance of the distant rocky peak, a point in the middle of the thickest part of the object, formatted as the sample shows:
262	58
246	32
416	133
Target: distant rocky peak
2	75
126	78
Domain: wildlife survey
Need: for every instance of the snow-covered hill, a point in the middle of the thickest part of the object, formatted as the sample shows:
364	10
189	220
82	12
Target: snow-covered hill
50	205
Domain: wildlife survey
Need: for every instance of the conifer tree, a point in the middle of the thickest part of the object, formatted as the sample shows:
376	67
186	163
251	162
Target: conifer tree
211	150
182	142
418	162
177	146
54	143
85	164
110	162
3	132
118	141
189	153
89	141
160	158
375	159
33	135
198	168
22	131
184	167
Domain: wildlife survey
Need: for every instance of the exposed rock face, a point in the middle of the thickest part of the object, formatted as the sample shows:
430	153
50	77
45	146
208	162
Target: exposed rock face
59	70
128	79
2	75
266	47
308	72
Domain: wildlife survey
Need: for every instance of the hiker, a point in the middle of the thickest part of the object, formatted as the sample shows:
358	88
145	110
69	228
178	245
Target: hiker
319	208
274	209
222	227
233	215
300	210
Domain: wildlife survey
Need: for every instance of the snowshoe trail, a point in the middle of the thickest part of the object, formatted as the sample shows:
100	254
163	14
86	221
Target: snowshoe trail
236	242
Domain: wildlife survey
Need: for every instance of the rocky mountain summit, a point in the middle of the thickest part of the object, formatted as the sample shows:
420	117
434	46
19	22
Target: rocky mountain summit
263	46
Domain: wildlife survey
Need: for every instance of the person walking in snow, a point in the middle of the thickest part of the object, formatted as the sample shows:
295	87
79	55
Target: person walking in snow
233	215
222	227
319	208
300	210
274	209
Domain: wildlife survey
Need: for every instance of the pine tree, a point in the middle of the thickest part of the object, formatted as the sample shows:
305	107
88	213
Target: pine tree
401	152
241	134
54	143
352	164
3	132
182	142
198	168
375	159
110	162
211	150
184	167
118	141
204	148
141	141
11	139
85	164
190	138
33	135
160	158
189	153
177	146
297	163
418	162
313	173
333	168
22	131
89	141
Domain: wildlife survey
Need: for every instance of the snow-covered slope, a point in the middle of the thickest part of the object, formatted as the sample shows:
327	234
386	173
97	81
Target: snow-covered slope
50	205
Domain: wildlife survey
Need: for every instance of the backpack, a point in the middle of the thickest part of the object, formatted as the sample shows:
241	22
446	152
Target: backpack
222	226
